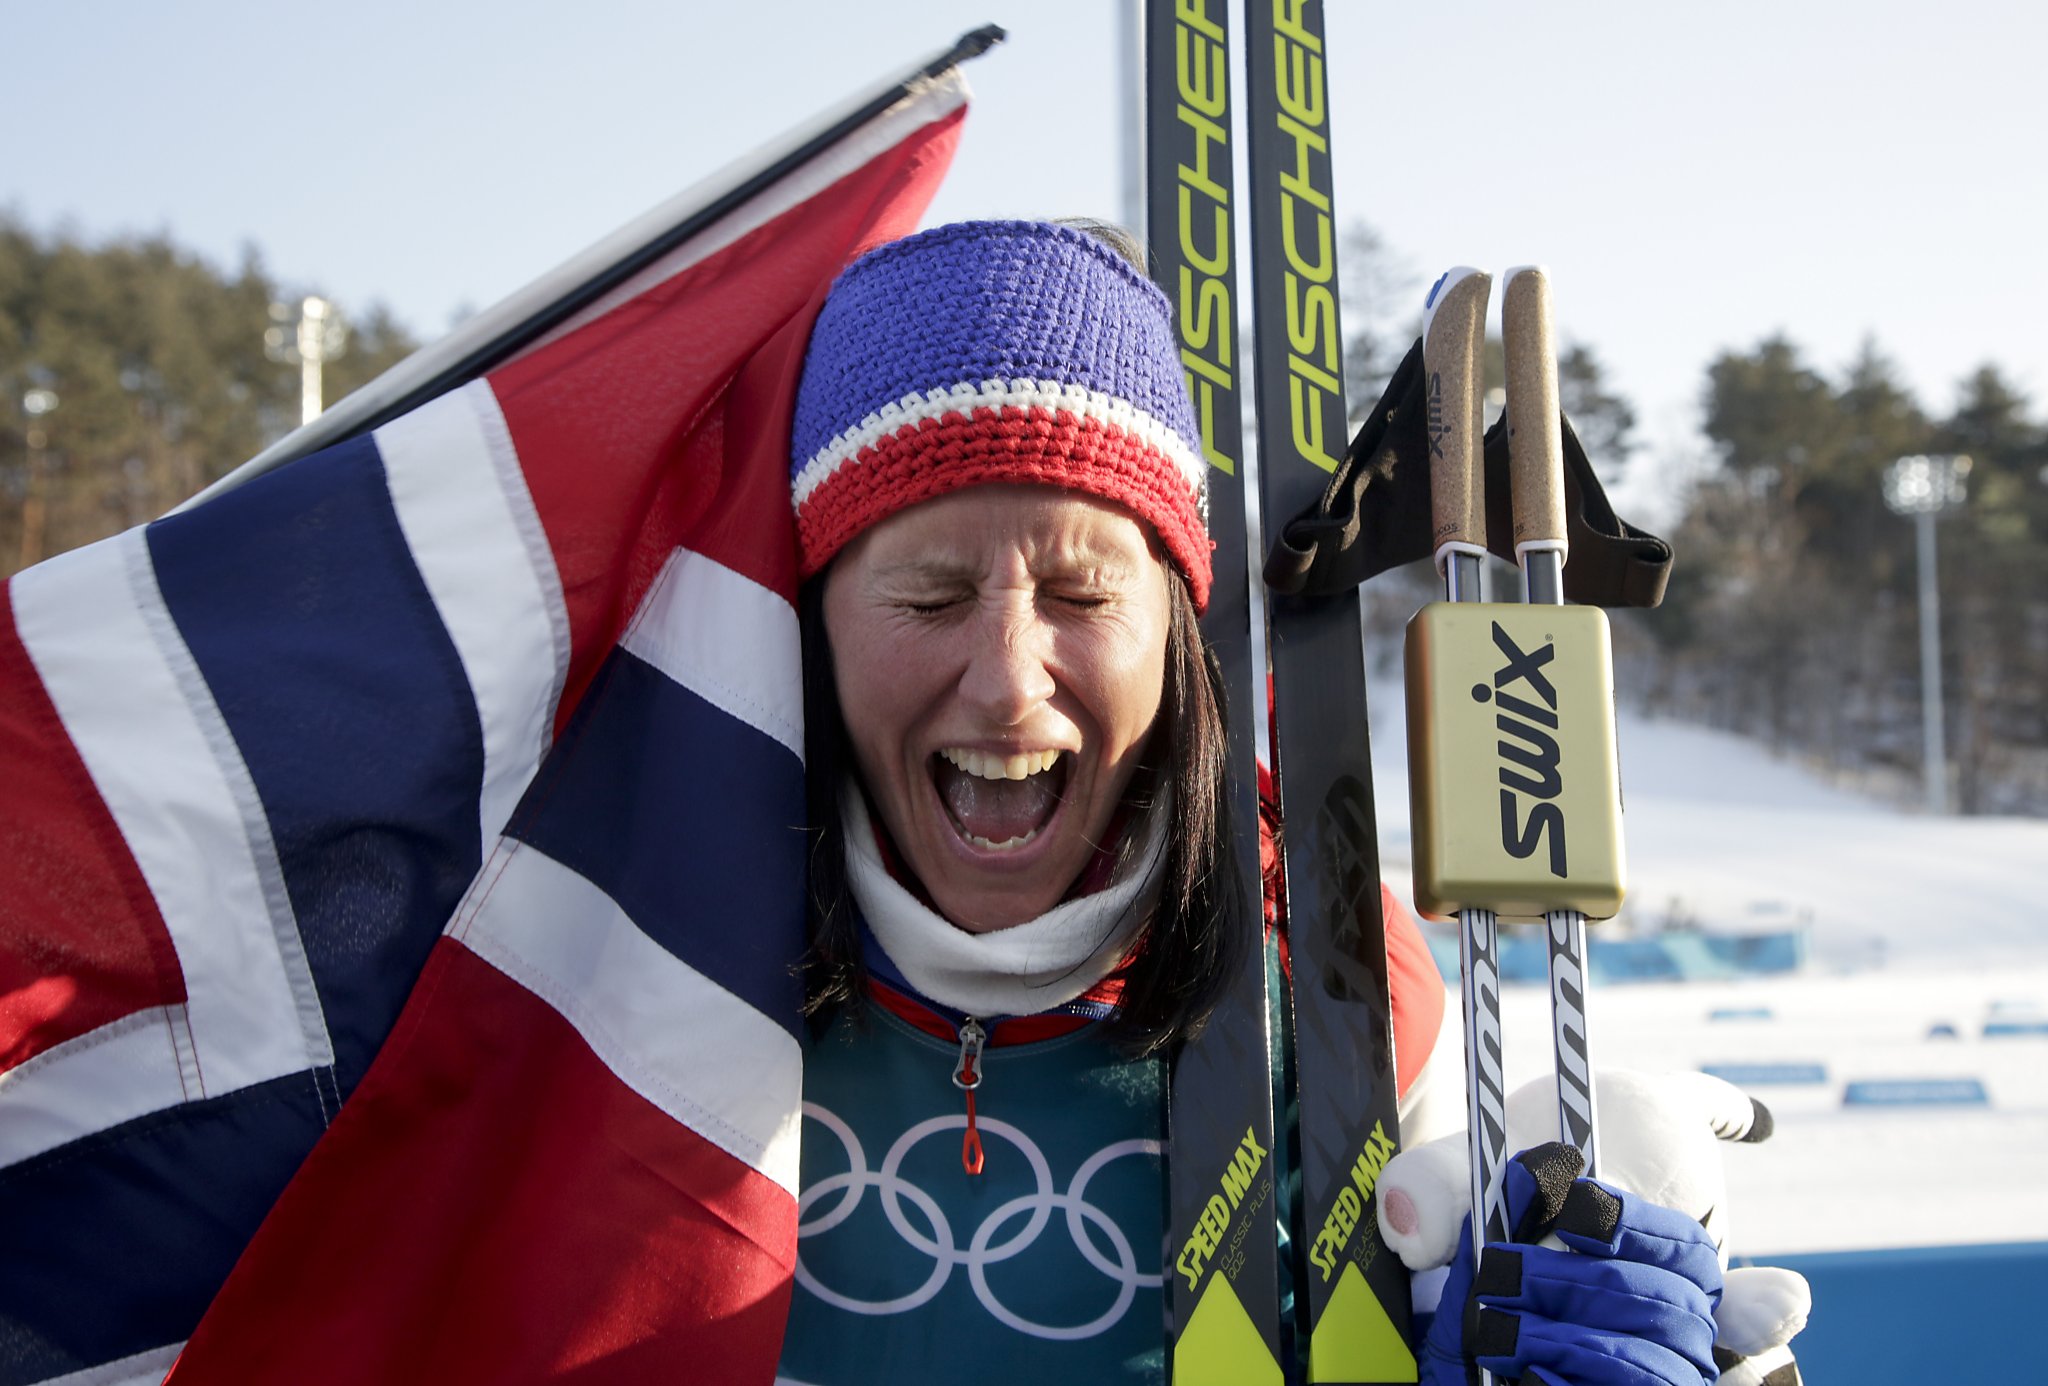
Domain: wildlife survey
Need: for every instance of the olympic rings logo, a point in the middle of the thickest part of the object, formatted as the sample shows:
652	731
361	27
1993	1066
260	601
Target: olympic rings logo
1119	1266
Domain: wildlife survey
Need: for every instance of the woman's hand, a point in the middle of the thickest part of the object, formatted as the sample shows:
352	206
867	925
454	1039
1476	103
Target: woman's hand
1627	1300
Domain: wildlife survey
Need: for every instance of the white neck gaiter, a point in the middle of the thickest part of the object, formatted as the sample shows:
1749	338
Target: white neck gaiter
1031	967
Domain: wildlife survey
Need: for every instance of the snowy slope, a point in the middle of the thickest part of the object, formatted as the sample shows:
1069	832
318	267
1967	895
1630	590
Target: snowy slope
1918	927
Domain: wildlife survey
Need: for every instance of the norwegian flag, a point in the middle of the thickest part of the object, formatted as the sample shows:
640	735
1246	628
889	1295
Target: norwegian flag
433	805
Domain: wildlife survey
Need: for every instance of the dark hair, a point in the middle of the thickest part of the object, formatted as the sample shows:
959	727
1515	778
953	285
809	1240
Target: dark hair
1200	930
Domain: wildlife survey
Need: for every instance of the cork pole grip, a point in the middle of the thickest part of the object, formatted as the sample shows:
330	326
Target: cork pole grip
1535	441
1453	335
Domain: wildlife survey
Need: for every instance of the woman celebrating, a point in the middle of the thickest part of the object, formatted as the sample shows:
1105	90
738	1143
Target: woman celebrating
1022	892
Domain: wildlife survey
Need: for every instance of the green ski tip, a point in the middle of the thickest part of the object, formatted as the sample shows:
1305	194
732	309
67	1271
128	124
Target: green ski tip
1222	1347
1355	1341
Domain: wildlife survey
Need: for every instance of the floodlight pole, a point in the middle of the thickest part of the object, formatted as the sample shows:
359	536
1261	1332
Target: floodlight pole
318	342
36	404
319	337
1934	750
1924	487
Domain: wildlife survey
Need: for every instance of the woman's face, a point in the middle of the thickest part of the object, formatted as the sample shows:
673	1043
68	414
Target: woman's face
1000	654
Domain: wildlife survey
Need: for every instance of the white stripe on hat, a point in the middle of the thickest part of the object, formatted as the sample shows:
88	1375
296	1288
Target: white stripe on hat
968	396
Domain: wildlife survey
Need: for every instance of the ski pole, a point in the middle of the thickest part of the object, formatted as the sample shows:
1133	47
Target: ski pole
1536	476
1453	334
1508	703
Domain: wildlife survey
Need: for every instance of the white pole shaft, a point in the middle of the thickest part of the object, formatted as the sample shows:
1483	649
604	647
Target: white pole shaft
1479	995
1577	1119
309	389
1935	753
1543	582
1486	1078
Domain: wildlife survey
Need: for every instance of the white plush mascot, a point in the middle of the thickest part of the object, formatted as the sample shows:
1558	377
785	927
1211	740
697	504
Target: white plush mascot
1660	1137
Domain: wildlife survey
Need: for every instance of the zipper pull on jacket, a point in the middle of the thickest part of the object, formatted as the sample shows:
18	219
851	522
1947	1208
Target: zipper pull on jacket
967	1077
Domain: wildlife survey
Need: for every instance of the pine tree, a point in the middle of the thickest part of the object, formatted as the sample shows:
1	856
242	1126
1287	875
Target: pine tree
156	363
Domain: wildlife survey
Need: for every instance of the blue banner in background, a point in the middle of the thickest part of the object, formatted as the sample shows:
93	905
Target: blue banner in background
1952	1313
1676	956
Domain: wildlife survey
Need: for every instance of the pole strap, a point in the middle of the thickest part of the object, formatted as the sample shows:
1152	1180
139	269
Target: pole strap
1375	512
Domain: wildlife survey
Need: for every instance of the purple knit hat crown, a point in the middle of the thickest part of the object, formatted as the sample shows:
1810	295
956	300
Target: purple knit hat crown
995	351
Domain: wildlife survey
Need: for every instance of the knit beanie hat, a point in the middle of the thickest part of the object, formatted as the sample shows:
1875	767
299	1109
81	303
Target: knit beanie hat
995	351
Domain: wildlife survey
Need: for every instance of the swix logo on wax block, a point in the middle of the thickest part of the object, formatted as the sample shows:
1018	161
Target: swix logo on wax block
1528	751
1512	772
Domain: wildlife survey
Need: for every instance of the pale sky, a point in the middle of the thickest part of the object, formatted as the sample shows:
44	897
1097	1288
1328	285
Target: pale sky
1695	176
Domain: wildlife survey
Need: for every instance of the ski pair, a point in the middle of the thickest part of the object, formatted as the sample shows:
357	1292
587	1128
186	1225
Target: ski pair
1228	1163
1509	704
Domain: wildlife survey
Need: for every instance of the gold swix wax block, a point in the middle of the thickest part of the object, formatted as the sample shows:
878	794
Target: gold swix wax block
1514	787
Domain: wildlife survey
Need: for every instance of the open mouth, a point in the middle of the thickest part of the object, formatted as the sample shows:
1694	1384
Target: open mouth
999	803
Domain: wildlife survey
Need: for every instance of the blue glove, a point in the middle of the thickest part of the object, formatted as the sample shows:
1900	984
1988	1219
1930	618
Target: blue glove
1630	1304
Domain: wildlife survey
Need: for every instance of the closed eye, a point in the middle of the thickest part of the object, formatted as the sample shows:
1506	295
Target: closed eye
930	598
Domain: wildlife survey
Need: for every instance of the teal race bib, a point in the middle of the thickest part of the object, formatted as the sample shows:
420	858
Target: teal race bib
1044	1268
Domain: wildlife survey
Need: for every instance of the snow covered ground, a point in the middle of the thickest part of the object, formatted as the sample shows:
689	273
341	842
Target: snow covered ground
1922	931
